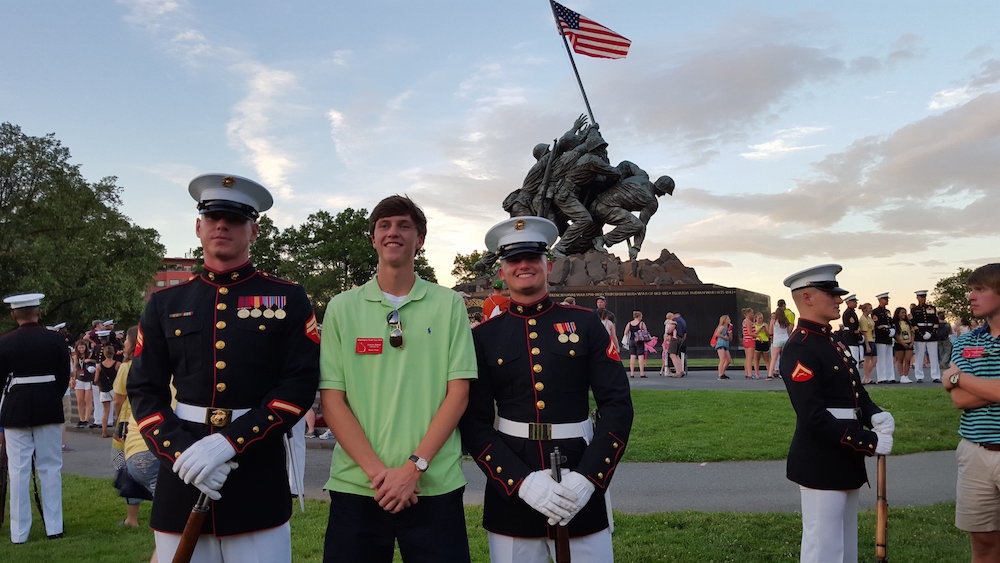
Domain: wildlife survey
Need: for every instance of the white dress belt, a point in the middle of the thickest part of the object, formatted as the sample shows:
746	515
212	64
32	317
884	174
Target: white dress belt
212	416
25	379
844	414
545	431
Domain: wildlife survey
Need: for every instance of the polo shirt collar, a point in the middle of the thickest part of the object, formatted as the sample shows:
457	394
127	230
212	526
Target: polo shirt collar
372	292
228	277
534	309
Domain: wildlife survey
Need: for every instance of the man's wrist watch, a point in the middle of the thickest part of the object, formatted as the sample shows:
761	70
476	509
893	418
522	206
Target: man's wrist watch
420	462
954	378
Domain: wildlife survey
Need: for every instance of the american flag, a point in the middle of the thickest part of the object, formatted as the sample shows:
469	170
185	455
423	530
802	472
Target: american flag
589	37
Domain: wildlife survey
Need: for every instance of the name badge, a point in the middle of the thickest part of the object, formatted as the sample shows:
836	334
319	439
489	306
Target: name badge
368	346
973	352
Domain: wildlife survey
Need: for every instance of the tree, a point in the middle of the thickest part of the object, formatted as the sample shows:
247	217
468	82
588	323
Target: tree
950	295
423	268
264	251
63	236
465	270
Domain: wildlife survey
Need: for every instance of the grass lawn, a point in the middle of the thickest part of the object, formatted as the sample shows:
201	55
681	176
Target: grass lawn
925	534
740	425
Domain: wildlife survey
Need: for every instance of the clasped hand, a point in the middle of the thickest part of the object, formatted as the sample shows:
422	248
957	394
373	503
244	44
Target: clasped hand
396	488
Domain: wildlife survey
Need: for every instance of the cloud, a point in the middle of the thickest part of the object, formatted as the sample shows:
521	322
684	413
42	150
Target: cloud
780	145
706	263
979	83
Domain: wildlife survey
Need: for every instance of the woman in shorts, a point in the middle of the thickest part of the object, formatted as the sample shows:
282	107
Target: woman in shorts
723	333
762	344
84	369
636	348
780	329
107	371
748	341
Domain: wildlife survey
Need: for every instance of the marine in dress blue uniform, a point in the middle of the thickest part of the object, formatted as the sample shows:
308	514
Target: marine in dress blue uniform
925	326
851	335
836	423
242	349
885	370
34	369
537	363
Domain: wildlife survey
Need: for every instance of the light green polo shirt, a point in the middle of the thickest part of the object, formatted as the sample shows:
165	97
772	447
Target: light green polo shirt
396	393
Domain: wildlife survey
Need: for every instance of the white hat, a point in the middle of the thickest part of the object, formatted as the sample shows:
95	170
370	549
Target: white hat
230	194
56	327
518	235
820	277
921	292
103	333
109	322
882	295
851	297
24	300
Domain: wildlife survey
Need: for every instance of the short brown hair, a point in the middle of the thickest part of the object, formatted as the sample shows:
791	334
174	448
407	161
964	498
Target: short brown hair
396	205
986	276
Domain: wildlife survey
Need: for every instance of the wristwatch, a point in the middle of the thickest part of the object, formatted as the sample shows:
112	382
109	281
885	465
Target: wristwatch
420	462
954	378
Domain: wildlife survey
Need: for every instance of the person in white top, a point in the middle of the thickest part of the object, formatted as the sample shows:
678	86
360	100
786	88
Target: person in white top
780	330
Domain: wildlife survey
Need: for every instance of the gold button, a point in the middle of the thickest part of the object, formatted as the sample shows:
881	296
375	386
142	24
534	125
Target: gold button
836	368
221	306
510	482
600	476
499	470
262	327
221	387
540	405
532	322
220	365
539	386
489	457
270	417
607	460
156	432
848	438
537	368
871	446
852	370
220	325
499	361
177	332
572	352
256	429
166	443
855	395
224	290
220	345
240	440
614	445
532	335
802	332
535	351
854	383
177	455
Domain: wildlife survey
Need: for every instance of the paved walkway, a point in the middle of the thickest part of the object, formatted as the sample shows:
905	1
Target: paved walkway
745	486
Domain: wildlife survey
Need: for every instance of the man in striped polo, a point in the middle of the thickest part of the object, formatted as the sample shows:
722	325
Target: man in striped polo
973	379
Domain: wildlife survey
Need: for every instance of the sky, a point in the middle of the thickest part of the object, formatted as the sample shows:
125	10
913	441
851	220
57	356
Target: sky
798	133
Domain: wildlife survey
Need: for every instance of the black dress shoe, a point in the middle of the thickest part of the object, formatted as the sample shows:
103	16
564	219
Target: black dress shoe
55	536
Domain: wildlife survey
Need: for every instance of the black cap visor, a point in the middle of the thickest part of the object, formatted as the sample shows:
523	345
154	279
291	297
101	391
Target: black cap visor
224	206
515	248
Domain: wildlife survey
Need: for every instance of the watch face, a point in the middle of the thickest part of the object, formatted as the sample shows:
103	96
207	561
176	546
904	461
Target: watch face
954	379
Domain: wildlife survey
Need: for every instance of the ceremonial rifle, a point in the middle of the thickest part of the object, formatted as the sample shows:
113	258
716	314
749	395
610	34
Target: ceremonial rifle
881	515
192	530
562	532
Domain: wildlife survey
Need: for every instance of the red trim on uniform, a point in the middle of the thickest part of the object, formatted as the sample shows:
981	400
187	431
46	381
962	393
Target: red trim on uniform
153	419
138	344
312	329
282	405
612	350
862	448
489	471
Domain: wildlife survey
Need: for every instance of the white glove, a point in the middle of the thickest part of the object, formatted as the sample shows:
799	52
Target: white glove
884	423
196	463
927	336
552	499
579	485
884	445
892	332
213	483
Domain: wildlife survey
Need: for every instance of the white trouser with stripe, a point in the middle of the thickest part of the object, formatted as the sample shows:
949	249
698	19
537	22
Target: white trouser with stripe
265	546
595	548
829	526
884	369
45	442
930	348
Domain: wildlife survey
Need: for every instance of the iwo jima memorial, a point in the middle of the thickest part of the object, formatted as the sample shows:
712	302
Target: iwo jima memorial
593	203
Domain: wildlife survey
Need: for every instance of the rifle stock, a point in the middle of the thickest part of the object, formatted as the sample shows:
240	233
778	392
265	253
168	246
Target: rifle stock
192	530
881	515
562	532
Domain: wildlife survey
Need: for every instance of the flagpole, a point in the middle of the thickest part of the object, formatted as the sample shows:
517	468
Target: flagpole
569	52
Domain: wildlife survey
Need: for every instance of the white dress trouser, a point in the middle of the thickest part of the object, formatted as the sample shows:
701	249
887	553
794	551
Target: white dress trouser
885	369
45	442
858	353
266	546
298	443
595	548
829	526
920	347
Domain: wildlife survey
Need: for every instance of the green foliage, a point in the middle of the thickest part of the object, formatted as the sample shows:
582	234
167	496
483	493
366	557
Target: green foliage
464	270
950	293
919	533
423	268
63	236
264	251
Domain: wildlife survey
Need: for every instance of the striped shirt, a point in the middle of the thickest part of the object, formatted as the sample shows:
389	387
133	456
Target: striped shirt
981	425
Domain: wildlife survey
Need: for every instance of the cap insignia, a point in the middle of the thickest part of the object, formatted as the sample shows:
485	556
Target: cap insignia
519	225
228	182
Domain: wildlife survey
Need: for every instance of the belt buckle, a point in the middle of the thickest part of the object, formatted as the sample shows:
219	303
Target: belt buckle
857	413
218	417
539	431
